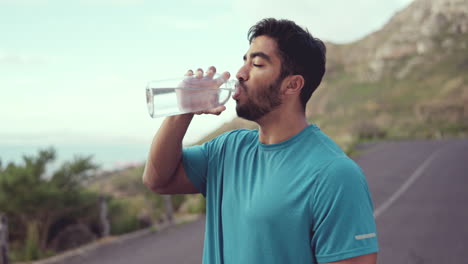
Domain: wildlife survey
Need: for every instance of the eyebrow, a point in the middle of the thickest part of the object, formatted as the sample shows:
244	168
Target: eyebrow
258	54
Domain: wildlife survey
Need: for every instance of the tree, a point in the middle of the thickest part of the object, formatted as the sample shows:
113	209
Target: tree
37	201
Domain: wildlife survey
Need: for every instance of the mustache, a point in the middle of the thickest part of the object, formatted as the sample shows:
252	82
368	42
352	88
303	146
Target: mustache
243	86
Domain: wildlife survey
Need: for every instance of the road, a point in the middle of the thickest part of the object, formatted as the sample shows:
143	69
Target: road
179	244
420	197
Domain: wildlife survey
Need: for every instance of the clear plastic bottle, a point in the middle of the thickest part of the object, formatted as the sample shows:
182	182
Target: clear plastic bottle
180	96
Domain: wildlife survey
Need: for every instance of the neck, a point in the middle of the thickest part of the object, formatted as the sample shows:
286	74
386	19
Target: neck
280	125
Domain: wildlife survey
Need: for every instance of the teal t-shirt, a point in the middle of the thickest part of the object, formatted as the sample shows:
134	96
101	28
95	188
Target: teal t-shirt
299	201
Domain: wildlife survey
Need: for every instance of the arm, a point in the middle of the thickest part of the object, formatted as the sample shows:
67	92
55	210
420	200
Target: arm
164	172
364	259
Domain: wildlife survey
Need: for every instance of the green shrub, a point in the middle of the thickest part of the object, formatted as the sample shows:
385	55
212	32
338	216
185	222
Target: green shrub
177	201
31	248
123	216
199	207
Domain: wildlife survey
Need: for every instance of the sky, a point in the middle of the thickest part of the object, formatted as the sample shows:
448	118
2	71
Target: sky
74	72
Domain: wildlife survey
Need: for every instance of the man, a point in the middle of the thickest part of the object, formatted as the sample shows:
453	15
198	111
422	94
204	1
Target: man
285	193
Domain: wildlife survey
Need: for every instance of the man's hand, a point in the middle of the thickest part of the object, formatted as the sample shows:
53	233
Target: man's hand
191	100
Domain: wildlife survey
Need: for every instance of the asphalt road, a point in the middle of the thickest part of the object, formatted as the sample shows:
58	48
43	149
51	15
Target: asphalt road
179	244
420	197
420	192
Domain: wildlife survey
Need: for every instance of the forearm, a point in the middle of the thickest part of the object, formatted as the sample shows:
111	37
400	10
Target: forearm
166	151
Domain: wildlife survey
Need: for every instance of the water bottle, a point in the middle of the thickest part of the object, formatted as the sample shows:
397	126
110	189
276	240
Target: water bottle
188	95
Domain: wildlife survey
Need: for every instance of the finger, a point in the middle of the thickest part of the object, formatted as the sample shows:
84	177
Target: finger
189	73
223	78
218	110
210	72
199	73
215	111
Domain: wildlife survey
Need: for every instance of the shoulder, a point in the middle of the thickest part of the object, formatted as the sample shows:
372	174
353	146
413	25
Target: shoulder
341	173
233	137
243	132
342	165
341	186
237	135
325	145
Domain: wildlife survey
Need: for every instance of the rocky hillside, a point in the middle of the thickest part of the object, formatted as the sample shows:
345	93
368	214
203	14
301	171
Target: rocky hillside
422	29
407	80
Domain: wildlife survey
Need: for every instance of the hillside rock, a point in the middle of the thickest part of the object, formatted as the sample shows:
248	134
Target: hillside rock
425	27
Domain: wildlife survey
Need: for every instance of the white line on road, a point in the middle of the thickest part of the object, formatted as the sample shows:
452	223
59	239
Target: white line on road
404	187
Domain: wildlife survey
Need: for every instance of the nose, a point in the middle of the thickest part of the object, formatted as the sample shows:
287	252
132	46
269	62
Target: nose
243	74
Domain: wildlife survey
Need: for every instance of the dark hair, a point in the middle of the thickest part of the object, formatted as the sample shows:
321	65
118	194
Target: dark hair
300	52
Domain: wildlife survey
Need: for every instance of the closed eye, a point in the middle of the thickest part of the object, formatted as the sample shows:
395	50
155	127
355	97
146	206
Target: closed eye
257	65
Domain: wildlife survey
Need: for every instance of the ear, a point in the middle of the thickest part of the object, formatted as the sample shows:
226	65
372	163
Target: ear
294	84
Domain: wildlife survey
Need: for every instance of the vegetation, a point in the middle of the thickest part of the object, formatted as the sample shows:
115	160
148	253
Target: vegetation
43	207
35	202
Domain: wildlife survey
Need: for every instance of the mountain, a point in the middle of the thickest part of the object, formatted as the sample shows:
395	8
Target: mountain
406	80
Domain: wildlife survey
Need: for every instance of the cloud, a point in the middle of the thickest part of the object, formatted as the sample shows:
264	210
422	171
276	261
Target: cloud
113	2
86	2
182	23
24	2
335	20
21	60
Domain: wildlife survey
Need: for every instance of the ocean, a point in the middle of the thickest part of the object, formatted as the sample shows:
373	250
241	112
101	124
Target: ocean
107	156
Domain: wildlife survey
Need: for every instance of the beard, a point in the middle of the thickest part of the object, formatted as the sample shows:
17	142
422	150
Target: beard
267	99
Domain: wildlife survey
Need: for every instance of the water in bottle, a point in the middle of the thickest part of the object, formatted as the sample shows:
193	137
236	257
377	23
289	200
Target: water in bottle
176	96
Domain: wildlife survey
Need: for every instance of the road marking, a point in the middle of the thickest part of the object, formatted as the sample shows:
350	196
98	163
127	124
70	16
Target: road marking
404	187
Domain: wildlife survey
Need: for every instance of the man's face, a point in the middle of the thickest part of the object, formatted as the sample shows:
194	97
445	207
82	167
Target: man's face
259	80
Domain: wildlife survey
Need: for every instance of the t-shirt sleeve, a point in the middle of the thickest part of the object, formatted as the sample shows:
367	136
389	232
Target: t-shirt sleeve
195	162
342	213
198	159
